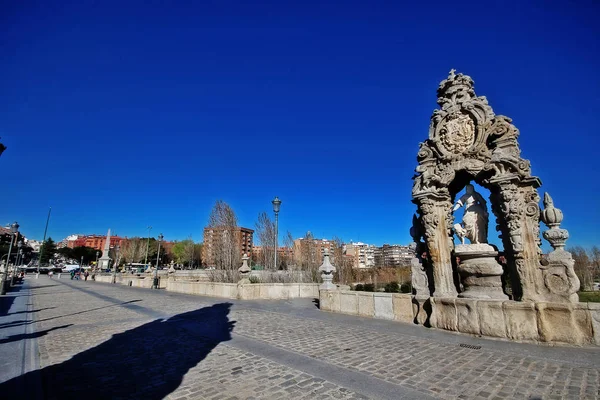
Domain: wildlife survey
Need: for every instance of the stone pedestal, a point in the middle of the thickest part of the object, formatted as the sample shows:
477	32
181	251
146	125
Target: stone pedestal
479	271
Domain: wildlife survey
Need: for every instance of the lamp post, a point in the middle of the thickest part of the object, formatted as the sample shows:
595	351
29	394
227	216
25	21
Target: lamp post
147	247
19	251
155	283
276	204
117	248
14	229
43	244
97	254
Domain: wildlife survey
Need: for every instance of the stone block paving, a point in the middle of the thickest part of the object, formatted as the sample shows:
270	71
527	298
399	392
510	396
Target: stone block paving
439	369
98	336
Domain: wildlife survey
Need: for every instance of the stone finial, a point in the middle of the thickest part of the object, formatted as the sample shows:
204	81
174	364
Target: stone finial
244	270
327	270
552	217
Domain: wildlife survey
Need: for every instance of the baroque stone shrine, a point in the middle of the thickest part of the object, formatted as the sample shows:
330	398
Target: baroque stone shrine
469	143
472	287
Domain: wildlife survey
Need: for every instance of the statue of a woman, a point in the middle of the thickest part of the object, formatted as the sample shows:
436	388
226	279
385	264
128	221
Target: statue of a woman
475	220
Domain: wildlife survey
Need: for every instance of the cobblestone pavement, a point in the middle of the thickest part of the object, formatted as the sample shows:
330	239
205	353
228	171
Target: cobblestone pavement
105	341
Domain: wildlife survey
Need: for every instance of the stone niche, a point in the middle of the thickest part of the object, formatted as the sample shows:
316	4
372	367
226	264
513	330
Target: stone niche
469	144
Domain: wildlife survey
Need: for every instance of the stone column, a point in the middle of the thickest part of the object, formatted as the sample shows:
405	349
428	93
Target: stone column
436	217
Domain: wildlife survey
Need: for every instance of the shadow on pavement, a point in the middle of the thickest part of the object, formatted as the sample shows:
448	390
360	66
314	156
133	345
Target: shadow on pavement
41	287
33	335
7	300
32	311
147	362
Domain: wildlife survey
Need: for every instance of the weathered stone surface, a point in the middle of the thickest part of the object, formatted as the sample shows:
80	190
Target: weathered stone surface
329	300
568	323
349	302
594	309
466	315
443	314
366	304
479	271
521	320
403	307
383	305
491	318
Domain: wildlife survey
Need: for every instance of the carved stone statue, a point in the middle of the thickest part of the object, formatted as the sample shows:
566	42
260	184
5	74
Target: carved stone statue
475	219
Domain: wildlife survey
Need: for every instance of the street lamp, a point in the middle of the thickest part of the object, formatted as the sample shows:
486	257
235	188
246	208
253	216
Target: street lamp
147	247
19	251
14	229
155	283
97	254
116	263
276	204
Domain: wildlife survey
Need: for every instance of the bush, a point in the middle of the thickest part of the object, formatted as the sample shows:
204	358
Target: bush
392	287
254	279
369	287
359	287
406	287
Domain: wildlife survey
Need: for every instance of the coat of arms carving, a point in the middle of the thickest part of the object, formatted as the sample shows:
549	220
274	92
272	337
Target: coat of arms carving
458	134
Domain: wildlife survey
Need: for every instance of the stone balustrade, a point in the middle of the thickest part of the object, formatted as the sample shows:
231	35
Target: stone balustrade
574	323
250	291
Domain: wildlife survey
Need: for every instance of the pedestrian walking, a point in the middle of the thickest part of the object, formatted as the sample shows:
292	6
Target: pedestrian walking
86	274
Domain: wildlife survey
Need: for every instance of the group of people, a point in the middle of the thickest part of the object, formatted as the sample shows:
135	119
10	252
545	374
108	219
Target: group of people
77	275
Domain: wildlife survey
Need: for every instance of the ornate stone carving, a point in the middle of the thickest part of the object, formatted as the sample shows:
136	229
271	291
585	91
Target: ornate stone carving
468	143
458	133
419	279
558	266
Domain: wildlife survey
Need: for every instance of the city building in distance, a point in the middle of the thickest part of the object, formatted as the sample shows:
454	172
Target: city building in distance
243	239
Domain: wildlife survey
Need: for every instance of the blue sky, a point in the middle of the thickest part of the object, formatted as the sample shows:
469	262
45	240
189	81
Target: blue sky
127	114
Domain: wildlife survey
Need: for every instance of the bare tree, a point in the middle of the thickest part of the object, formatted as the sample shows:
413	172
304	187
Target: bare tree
342	263
595	258
133	250
224	247
583	269
288	257
189	251
265	232
308	255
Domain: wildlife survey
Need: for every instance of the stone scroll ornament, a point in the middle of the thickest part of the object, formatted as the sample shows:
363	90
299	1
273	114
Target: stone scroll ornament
469	143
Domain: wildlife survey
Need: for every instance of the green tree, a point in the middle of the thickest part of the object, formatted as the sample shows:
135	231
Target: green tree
47	250
178	251
88	254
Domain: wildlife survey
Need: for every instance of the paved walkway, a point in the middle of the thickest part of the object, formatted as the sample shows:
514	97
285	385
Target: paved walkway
78	339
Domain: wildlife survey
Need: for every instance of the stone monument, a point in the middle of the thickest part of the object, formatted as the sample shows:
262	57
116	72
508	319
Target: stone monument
469	143
104	261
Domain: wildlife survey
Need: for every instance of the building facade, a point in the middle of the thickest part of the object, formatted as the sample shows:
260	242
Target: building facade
362	254
93	241
393	256
212	238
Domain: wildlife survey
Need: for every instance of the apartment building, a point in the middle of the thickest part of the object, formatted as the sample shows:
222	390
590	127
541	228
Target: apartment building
243	239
